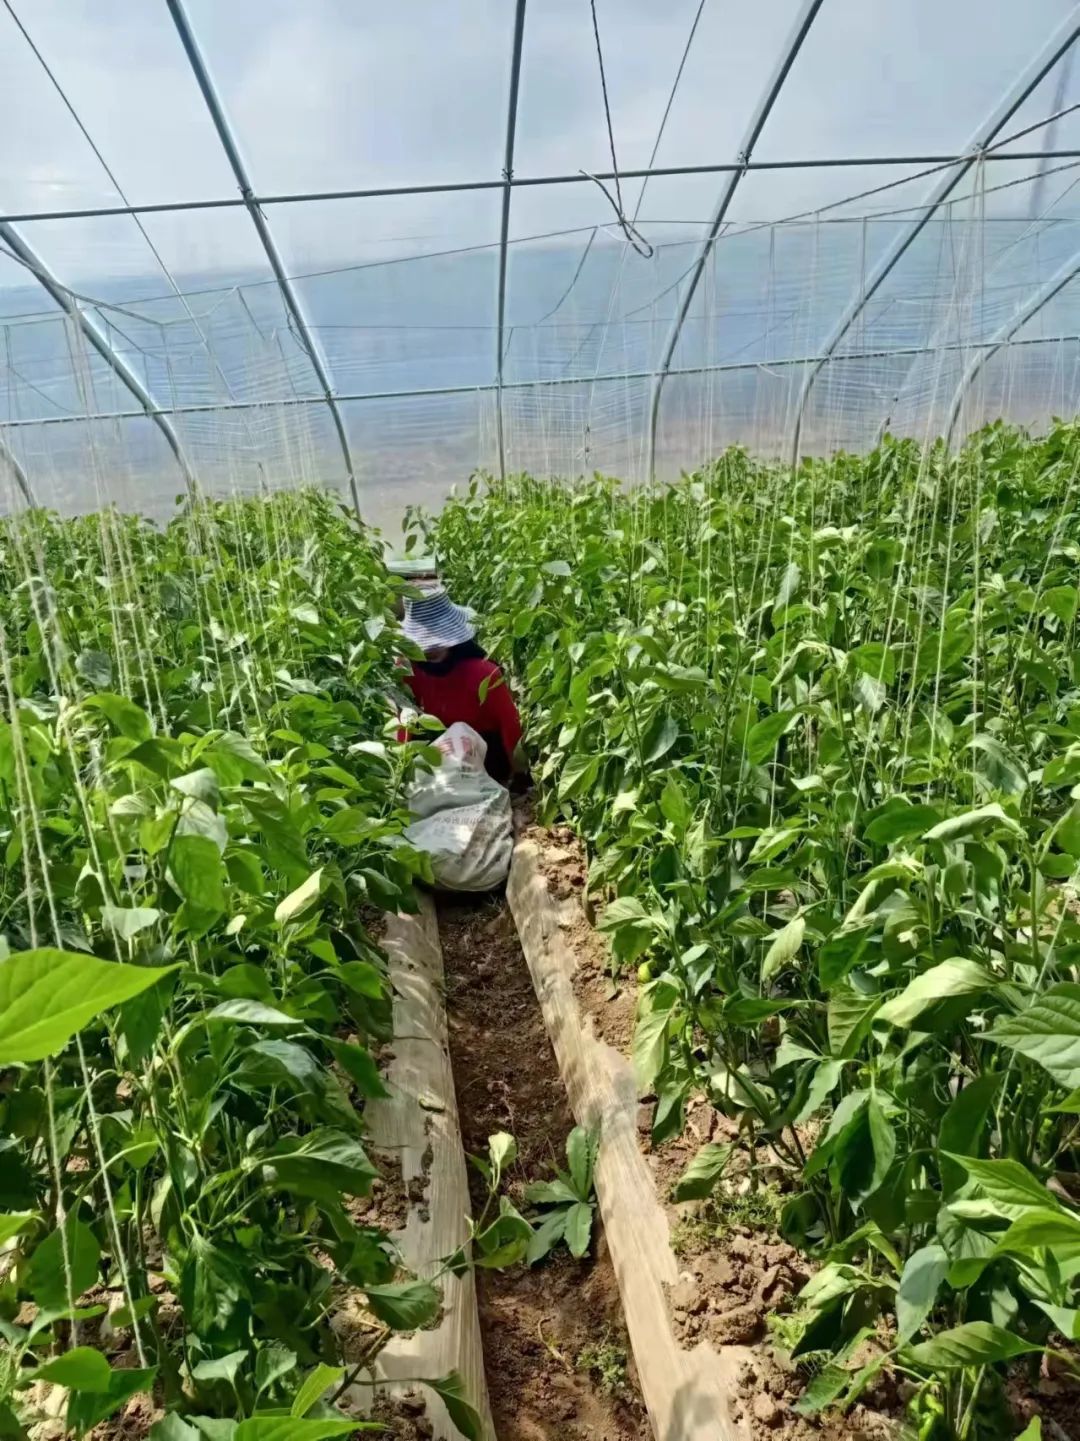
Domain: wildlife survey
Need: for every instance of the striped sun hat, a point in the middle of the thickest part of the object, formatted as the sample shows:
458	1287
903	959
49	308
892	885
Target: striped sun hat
436	621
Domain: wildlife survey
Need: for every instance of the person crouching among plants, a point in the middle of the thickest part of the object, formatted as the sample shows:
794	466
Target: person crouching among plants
456	682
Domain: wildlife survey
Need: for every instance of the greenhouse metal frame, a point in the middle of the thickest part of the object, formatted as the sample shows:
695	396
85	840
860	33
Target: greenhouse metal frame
986	146
693	794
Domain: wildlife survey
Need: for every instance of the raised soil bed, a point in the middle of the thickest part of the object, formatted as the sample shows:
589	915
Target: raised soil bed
696	1290
688	1390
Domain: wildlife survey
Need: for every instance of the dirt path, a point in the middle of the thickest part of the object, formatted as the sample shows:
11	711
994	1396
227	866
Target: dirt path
557	1356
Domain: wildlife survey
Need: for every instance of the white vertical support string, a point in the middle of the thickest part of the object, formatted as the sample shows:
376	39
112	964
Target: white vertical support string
1020	317
504	229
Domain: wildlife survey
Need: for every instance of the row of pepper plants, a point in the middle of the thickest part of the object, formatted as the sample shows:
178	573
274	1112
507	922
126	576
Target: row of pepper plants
820	733
200	804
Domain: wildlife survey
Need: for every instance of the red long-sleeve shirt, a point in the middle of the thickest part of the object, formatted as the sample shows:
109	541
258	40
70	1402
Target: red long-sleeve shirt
455	695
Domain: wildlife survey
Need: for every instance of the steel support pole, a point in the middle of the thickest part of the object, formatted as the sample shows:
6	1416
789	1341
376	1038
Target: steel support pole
247	193
100	342
768	99
1020	317
504	226
18	474
1061	90
1032	75
114	181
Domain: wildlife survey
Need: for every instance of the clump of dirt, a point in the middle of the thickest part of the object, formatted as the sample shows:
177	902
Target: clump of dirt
736	1272
1053	1394
387	1204
734	1277
769	1386
404	1418
563	861
703	1123
727	1289
133	1422
555	1346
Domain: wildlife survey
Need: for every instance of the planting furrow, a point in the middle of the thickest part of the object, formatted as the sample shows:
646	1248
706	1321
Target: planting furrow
418	1125
554	1338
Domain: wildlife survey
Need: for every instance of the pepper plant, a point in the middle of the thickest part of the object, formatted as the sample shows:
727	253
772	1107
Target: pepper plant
201	810
820	734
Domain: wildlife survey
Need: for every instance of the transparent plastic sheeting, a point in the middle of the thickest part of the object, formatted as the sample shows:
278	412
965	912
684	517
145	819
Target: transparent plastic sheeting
578	374
400	292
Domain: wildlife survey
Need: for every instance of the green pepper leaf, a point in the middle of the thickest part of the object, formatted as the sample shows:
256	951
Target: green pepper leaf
47	995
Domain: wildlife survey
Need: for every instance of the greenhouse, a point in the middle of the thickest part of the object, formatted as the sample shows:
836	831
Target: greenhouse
540	721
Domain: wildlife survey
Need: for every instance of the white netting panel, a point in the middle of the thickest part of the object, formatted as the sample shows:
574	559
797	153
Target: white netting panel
409	335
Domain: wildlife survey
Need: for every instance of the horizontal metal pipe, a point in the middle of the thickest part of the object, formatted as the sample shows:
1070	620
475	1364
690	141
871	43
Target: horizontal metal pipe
546	383
844	162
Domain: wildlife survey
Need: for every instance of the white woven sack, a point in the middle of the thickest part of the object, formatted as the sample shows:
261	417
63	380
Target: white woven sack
463	818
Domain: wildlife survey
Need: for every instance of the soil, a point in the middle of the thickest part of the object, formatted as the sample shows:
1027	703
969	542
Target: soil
545	1330
732	1277
404	1419
387	1205
769	1386
607	999
728	1287
1055	1396
667	1162
132	1424
133	1421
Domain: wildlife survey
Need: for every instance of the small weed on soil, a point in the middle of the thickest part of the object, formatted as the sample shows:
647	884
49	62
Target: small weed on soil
607	1364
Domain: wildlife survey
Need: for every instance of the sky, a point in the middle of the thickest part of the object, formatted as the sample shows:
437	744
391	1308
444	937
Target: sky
329	94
